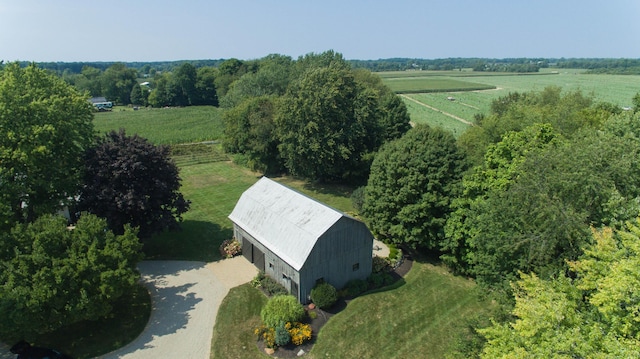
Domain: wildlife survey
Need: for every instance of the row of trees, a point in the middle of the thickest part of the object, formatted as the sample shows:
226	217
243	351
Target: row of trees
526	203
315	117
50	158
183	86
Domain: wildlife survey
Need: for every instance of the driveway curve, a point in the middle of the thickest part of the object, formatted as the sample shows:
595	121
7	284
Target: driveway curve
185	298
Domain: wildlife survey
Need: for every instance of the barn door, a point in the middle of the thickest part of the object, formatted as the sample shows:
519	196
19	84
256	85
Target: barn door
294	289
247	249
258	258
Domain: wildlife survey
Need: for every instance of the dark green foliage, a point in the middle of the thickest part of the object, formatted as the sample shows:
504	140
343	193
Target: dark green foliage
529	206
314	118
327	126
379	280
566	112
324	295
45	127
357	199
117	82
128	180
139	95
268	285
52	276
412	183
355	287
250	130
380	264
281	308
282	335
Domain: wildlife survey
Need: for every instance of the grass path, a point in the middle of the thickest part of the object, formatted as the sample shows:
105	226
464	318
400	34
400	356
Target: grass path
440	111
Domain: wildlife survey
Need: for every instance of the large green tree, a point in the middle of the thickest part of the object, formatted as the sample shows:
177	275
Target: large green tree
117	82
328	126
45	128
595	315
528	207
412	183
52	276
130	181
250	130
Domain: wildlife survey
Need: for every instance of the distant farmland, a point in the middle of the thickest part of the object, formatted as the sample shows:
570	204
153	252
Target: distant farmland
446	99
404	85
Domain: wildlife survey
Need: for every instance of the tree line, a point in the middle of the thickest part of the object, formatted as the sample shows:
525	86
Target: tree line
118	190
316	117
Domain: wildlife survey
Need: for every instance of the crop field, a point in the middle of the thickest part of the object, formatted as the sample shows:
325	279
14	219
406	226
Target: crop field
432	84
441	107
165	126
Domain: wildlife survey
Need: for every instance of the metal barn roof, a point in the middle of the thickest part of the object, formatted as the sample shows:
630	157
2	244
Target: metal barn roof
287	222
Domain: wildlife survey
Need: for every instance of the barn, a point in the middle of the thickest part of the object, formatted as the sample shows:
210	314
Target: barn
299	241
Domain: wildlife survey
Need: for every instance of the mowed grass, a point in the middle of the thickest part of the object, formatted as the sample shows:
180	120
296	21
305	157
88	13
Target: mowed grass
213	189
238	316
165	126
420	319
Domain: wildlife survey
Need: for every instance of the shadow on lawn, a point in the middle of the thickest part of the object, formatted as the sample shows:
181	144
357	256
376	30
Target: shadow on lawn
195	241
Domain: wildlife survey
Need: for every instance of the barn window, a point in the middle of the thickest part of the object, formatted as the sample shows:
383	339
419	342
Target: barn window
356	267
270	265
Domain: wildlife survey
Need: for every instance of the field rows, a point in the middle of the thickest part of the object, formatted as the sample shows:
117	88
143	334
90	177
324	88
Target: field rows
165	126
616	89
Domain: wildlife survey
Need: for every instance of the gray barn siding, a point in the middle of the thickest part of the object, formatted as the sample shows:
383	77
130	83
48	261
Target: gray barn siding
346	243
274	266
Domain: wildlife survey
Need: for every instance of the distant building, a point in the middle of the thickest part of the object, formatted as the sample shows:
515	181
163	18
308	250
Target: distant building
101	103
298	241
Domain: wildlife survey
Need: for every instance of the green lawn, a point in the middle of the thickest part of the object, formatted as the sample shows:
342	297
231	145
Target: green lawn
213	189
420	317
238	316
165	126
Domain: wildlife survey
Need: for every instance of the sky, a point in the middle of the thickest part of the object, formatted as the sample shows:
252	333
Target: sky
169	30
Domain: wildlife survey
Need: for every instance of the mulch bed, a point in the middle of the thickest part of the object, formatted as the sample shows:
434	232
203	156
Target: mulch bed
291	351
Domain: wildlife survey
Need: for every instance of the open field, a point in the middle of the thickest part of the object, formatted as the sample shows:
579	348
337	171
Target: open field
616	89
165	126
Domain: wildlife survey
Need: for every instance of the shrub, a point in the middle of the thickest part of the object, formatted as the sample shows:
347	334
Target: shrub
272	287
357	199
375	280
324	295
355	287
268	285
256	282
312	314
282	335
380	264
281	308
393	251
378	280
267	334
299	332
230	248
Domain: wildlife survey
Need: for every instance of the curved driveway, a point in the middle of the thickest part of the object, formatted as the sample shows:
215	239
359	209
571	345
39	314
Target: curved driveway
185	298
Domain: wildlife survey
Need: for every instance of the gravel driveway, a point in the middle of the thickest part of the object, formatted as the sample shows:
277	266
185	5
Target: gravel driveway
185	297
